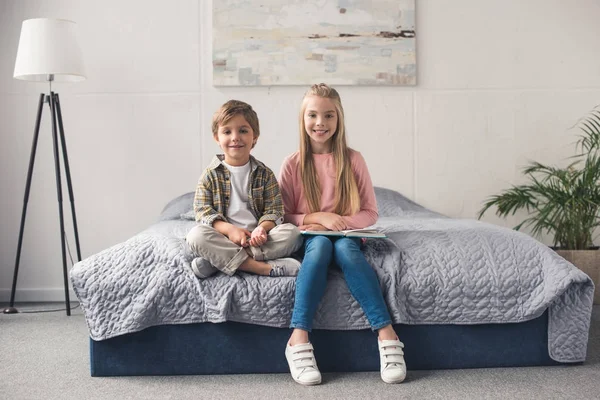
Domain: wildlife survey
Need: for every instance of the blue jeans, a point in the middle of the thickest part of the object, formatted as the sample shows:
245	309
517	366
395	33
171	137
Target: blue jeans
360	278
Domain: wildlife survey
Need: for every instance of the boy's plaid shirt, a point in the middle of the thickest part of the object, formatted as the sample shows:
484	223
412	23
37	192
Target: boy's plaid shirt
212	193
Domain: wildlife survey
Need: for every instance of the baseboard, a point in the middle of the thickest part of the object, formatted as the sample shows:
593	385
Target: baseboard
37	295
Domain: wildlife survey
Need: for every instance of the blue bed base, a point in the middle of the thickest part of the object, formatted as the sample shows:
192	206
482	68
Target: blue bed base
237	348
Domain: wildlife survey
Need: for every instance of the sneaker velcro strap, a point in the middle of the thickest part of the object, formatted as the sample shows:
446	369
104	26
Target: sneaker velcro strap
301	356
394	359
305	363
388	343
390	351
302	348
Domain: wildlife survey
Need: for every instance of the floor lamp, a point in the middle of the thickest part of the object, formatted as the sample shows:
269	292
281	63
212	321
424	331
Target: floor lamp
49	52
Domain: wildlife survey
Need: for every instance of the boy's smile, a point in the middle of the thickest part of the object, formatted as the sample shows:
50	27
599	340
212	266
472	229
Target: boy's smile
320	121
236	139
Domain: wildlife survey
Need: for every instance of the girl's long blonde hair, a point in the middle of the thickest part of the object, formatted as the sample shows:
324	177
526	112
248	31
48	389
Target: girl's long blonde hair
347	199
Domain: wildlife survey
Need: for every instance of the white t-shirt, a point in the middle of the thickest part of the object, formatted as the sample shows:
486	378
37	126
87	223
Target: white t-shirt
239	212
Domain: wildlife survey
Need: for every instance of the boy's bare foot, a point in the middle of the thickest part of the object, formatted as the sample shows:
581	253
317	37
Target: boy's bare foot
255	267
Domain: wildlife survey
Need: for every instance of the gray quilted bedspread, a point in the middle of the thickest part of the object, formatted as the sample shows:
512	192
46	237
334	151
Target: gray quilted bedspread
432	270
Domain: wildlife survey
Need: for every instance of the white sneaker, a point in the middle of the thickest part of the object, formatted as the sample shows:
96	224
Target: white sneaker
393	367
284	267
303	365
202	268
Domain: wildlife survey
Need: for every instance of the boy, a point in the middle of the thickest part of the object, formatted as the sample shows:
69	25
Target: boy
238	206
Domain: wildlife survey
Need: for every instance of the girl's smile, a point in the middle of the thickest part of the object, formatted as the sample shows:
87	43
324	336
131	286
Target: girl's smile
320	132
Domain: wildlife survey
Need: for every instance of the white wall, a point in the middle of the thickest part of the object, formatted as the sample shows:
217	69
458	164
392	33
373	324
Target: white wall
499	83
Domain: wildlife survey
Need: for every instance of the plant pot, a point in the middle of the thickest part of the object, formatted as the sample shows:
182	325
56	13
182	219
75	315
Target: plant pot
589	262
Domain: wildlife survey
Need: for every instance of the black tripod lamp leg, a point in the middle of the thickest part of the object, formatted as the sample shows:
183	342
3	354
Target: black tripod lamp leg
61	131
36	133
60	206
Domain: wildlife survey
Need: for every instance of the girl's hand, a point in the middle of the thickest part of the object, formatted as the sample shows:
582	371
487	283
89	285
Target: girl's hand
239	236
332	221
312	227
258	237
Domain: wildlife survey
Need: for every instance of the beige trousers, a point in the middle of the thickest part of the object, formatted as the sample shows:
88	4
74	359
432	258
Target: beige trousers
227	256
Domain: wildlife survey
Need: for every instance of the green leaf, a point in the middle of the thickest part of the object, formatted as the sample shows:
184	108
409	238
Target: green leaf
563	202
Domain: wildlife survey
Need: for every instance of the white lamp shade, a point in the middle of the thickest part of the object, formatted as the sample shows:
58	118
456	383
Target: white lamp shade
49	47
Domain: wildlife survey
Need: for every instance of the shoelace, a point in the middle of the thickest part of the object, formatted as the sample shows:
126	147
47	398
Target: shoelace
276	270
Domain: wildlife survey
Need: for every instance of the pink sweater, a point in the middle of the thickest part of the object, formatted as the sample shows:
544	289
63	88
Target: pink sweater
296	205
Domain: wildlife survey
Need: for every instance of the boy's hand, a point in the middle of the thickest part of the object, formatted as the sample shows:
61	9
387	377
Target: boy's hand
312	227
332	221
239	236
258	237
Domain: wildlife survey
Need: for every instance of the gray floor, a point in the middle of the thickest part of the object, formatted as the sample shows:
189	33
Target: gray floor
45	356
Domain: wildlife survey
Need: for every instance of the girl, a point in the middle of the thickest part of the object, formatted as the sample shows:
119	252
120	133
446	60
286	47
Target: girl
326	186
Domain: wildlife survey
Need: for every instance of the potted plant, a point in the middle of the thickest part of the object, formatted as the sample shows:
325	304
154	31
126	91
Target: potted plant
563	202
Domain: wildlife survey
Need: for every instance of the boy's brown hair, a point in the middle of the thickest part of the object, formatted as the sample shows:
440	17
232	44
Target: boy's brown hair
232	108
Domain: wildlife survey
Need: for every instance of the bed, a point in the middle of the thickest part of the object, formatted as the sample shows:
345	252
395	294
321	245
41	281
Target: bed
461	293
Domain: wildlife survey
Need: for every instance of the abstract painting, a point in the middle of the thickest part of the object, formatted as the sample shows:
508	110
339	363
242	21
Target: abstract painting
343	42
